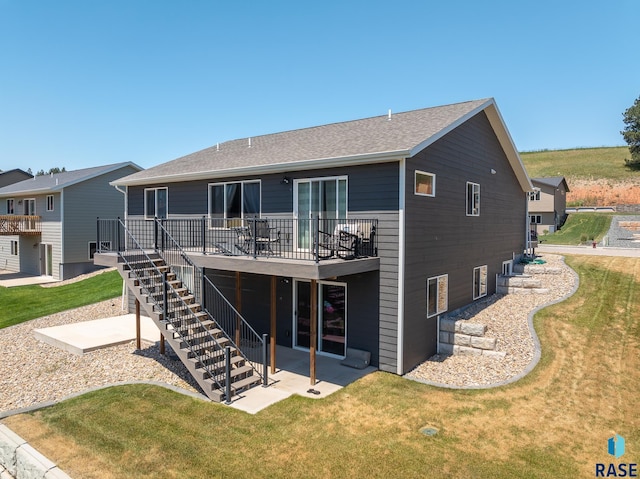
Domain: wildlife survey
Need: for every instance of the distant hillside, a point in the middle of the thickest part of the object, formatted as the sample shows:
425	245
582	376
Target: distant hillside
596	176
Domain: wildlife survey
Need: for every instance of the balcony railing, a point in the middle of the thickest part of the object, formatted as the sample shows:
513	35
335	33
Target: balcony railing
313	239
20	225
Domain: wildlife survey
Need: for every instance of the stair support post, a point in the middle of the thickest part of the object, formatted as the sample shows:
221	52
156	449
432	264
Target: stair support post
265	369
203	225
118	235
227	373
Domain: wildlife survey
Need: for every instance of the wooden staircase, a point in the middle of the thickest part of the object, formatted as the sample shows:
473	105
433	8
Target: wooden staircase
191	331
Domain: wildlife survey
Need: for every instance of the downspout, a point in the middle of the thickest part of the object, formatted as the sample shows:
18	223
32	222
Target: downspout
401	258
527	236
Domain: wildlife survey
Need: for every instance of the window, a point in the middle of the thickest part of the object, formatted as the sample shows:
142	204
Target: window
10	206
14	248
425	184
49	202
473	199
479	282
229	203
534	195
535	219
29	207
437	295
104	246
156	203
507	268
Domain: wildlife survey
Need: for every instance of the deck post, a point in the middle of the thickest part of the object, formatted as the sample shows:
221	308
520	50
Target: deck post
265	377
272	334
314	332
227	374
203	226
118	245
165	306
238	306
138	346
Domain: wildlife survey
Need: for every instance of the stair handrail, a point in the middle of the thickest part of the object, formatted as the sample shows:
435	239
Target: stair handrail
254	337
197	355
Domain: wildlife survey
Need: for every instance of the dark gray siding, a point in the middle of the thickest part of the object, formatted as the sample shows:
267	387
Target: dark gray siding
373	192
441	239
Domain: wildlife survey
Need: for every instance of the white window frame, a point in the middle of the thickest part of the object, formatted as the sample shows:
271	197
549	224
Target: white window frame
225	219
534	195
27	201
507	268
480	289
50	202
535	219
443	278
415	183
14	248
155	206
11	206
473	209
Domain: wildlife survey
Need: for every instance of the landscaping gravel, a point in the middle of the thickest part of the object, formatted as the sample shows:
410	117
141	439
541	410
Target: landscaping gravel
33	372
506	318
618	236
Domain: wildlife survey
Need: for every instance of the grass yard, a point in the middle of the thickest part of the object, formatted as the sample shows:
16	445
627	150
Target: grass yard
23	303
580	228
553	423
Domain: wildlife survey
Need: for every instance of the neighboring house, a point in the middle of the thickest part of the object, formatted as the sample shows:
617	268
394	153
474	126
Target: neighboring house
376	226
13	176
47	223
547	204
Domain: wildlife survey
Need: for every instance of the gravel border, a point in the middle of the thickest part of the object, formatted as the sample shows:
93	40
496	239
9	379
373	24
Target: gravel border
510	319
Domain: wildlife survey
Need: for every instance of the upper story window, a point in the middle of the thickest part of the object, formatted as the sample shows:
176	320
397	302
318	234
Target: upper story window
425	183
10	206
156	202
230	203
49	202
535	219
473	199
534	195
29	206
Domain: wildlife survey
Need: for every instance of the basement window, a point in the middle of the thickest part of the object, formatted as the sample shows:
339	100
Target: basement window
479	282
437	295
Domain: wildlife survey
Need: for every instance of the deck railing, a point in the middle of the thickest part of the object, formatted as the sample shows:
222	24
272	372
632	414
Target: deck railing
313	239
20	225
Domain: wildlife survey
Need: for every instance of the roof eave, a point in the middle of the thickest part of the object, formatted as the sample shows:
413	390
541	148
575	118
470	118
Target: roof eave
353	160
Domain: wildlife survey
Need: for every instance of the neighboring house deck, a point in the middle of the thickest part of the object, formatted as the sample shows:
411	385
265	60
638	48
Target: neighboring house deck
354	235
548	204
47	223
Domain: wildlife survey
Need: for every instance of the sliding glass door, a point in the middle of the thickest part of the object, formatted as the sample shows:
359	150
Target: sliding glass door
324	198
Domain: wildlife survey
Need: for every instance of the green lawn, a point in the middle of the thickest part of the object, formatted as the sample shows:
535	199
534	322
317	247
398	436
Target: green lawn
23	303
586	163
580	228
553	423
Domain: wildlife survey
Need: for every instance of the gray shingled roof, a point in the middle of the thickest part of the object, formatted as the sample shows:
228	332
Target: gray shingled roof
56	182
365	140
553	181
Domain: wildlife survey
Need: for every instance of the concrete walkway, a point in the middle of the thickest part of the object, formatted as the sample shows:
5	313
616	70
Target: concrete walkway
10	279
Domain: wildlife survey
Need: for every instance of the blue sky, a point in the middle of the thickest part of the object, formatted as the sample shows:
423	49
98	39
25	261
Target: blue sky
86	83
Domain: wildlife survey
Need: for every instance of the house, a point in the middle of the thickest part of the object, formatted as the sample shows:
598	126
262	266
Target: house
13	176
356	235
547	204
47	223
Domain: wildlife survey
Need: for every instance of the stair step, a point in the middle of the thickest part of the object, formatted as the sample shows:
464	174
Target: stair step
203	345
245	383
237	362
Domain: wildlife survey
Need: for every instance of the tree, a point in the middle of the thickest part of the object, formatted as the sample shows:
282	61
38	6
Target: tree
631	133
51	171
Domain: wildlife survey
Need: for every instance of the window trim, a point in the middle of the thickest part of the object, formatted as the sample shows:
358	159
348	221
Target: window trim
24	206
437	294
224	184
14	248
12	202
535	219
534	195
471	210
50	203
478	290
155	206
415	183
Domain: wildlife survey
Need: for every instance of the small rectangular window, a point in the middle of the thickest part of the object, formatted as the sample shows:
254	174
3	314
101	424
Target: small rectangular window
535	219
479	282
14	248
10	206
437	295
473	199
425	184
534	195
49	202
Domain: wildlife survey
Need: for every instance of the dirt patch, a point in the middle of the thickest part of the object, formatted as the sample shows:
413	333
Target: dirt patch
603	192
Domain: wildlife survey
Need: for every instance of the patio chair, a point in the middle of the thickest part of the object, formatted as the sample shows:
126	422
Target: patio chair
343	242
257	238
